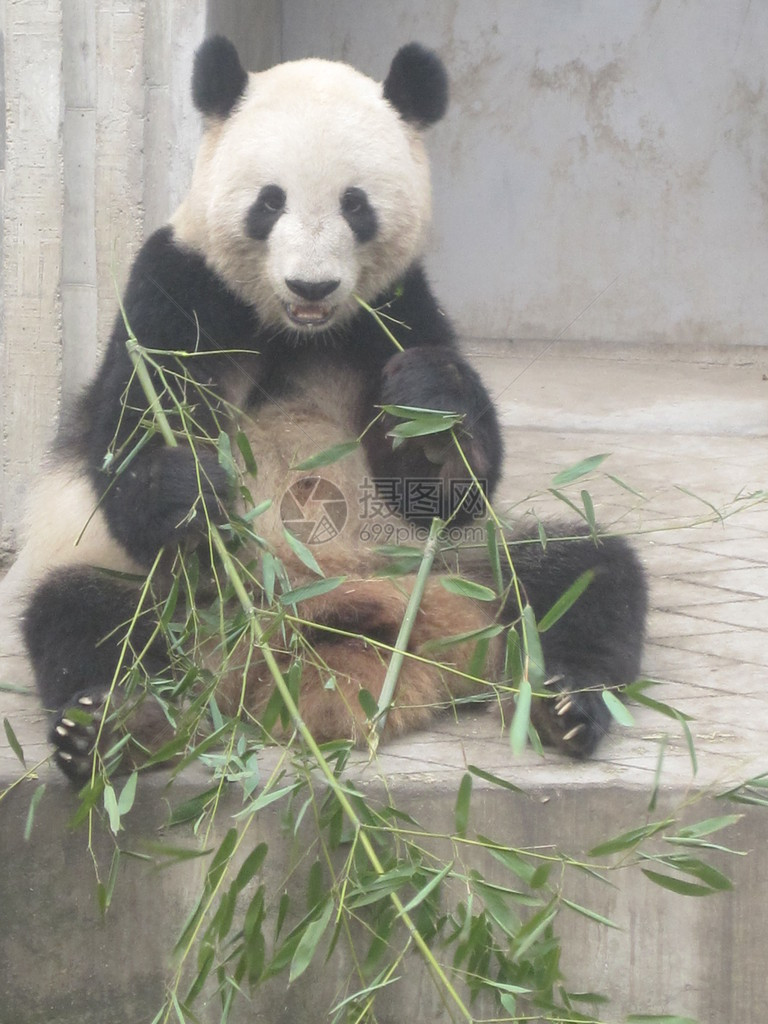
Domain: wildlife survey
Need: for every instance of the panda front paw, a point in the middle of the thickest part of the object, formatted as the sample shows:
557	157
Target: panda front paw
170	497
75	732
574	719
436	377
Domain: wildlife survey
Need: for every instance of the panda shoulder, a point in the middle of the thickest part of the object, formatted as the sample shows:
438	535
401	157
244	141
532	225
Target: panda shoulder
174	297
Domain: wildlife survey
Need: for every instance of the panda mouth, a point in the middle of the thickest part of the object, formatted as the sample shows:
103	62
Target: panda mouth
309	314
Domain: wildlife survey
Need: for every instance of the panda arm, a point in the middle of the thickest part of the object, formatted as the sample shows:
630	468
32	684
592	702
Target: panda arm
152	494
431	374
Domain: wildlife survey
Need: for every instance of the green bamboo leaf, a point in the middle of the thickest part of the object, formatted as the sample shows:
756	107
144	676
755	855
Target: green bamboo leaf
627	840
494	557
618	710
264	799
591	914
244	445
226	460
678	885
113	811
282	910
256	511
37	796
382	980
533	928
433	883
311	590
191	809
567	476
128	794
707	827
477	663
589	510
485	633
325	458
14	743
467	588
221	860
420	422
250	867
493	897
513	658
205	960
510	858
308	943
368	703
536	670
461	811
655	705
496	780
567	501
569	598
104	893
705	873
690	744
518	733
625	486
268	576
417	412
303	553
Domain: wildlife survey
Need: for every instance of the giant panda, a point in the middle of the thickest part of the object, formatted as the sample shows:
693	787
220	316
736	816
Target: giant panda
283	306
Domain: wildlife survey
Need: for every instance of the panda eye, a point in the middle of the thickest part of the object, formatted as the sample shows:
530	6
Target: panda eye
267	209
359	214
272	199
353	201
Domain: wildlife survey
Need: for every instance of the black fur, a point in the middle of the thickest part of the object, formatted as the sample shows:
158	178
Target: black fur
218	77
598	643
417	85
265	212
359	214
75	628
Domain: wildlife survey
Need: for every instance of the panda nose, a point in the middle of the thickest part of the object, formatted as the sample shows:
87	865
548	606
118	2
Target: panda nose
312	291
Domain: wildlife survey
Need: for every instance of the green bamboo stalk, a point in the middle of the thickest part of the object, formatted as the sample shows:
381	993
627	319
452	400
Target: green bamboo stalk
406	626
380	321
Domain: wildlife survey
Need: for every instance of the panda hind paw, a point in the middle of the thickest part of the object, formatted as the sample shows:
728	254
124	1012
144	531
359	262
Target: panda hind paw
572	720
74	734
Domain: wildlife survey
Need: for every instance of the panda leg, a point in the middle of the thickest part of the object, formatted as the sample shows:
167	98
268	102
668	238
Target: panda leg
74	628
596	645
348	646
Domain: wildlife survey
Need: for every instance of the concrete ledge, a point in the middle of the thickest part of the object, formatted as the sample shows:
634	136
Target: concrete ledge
63	964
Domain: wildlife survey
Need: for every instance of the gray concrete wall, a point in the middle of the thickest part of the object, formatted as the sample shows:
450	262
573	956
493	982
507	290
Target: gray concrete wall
601	174
603	164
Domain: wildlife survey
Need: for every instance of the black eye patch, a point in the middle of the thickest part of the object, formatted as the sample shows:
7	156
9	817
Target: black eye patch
268	208
359	214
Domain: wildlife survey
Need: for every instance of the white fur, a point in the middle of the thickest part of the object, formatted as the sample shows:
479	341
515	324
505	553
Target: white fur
315	128
65	526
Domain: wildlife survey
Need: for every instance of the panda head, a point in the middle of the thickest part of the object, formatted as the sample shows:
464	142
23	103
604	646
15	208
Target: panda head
311	186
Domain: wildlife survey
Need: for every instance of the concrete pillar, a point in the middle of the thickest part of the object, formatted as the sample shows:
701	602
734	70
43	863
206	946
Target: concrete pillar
99	140
32	196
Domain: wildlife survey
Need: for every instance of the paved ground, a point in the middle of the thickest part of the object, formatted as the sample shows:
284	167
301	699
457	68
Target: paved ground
688	433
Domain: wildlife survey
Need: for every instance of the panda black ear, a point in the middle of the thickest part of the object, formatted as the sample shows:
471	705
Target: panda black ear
417	85
218	77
